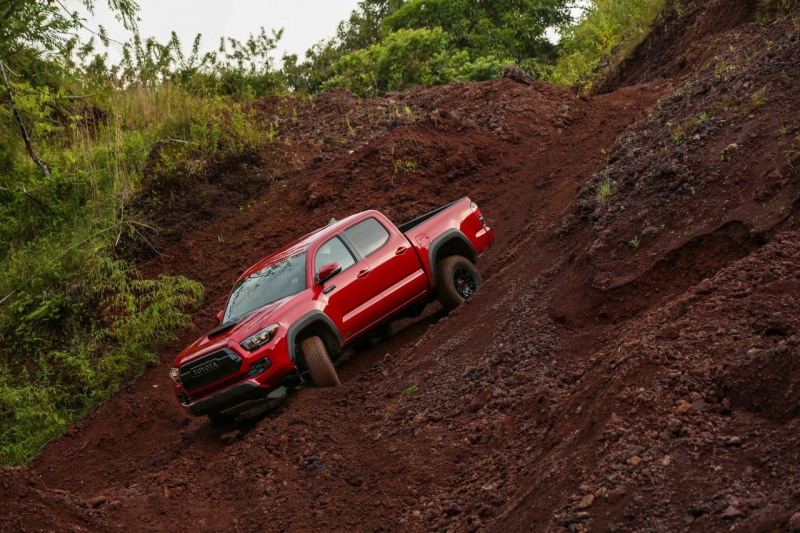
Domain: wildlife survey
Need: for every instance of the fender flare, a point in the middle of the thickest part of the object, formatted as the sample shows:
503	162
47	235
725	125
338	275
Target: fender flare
307	320
446	238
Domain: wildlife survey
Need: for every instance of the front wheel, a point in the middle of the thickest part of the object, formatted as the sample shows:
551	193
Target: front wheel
456	281
319	363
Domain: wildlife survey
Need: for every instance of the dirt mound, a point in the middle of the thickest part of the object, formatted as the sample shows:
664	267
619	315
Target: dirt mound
704	180
630	363
347	151
659	428
28	505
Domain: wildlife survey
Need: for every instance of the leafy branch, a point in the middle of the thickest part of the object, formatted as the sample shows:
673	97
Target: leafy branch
23	131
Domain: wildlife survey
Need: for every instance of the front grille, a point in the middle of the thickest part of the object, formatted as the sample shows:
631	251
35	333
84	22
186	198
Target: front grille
210	368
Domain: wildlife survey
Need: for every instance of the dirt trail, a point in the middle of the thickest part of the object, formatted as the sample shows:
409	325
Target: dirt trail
600	381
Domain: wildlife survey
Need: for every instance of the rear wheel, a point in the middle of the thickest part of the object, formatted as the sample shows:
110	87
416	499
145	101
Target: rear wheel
319	363
456	281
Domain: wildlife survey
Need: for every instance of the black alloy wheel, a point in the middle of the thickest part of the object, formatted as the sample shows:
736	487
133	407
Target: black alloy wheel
457	280
464	283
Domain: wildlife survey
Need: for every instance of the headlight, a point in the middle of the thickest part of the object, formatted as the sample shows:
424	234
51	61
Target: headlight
261	338
175	374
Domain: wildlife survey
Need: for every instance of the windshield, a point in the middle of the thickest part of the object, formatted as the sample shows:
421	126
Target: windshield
268	285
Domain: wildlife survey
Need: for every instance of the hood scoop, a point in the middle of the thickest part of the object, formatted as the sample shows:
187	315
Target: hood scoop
222	328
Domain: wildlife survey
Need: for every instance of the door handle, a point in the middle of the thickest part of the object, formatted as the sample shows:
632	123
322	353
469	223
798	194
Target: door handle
328	289
401	250
363	274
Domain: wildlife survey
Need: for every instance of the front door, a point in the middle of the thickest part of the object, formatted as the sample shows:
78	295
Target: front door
353	298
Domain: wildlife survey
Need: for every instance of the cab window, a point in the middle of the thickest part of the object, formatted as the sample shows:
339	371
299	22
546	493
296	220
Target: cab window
333	251
367	236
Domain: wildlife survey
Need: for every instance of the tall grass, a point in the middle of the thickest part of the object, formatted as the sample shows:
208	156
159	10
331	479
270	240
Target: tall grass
608	32
75	322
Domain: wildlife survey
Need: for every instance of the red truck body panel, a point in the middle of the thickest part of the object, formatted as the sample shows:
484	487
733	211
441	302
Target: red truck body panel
375	287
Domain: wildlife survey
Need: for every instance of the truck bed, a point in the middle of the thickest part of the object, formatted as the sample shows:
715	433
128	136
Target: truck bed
411	224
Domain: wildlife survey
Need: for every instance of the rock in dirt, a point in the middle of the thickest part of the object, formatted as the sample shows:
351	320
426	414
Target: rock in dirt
97	501
586	501
733	147
231	437
650	230
517	74
733	512
683	407
732	440
793	526
504	427
616	495
480	399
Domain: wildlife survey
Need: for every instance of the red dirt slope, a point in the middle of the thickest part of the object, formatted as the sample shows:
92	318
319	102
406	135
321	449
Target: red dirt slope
631	363
522	157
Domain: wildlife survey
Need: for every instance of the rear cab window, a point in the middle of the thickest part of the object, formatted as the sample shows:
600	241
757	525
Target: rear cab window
368	236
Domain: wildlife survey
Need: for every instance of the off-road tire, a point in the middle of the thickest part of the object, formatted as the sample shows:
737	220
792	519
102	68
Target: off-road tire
456	281
319	363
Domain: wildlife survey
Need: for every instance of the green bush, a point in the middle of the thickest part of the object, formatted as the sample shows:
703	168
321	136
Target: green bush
409	57
75	322
770	9
608	31
61	358
514	29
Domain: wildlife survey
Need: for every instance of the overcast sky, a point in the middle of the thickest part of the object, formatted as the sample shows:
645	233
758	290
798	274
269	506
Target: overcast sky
305	22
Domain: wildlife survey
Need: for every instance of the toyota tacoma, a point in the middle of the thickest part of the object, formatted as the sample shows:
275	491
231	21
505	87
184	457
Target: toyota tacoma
288	314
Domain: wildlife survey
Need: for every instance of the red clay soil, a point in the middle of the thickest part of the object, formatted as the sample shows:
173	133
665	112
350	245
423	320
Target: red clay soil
687	35
632	362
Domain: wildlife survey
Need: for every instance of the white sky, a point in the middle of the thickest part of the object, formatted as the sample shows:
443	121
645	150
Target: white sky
305	22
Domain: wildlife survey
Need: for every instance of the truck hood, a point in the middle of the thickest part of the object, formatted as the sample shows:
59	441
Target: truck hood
236	331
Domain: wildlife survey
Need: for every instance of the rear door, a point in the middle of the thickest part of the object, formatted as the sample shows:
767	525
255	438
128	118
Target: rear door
353	298
394	266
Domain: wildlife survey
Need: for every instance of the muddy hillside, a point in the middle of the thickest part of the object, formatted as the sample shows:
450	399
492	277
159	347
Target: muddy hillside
632	362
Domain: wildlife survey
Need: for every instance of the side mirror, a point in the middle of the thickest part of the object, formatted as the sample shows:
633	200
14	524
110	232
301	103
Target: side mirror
219	317
327	272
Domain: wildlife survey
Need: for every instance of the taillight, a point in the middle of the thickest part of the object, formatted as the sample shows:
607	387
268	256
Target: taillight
477	212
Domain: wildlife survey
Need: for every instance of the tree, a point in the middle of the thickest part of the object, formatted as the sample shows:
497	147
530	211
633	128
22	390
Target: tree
410	57
30	29
359	32
513	29
37	26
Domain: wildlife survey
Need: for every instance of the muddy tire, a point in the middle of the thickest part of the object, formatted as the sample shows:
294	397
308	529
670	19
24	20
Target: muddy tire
456	281
319	363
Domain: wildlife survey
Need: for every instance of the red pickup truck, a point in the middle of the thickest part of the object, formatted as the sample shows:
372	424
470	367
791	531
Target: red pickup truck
292	310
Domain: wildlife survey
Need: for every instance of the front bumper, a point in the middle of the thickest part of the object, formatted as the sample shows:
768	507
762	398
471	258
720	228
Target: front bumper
260	374
230	397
